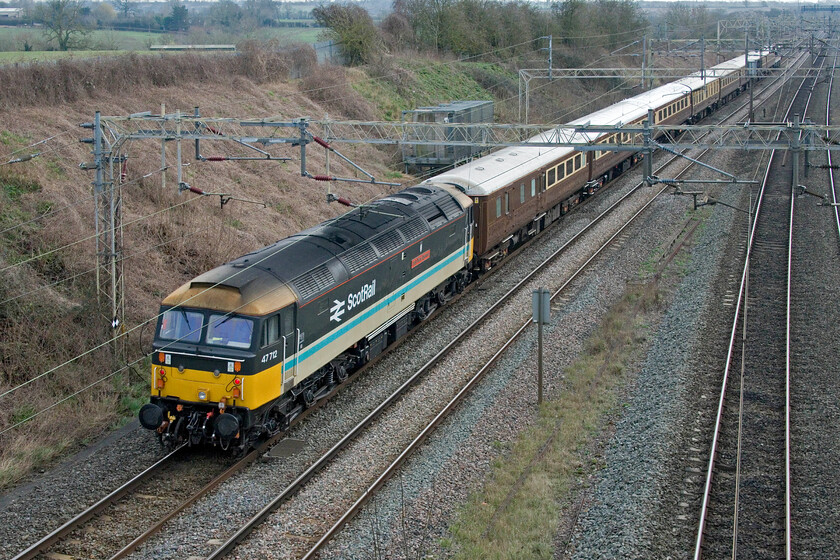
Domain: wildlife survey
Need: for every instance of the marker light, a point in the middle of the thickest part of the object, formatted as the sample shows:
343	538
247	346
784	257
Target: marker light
237	367
236	392
161	357
237	381
202	396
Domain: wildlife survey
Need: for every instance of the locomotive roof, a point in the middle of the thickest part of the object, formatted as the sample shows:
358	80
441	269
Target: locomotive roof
486	175
306	264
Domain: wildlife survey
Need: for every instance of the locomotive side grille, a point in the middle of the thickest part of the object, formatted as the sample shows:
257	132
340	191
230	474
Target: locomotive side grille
413	230
359	258
388	242
433	215
450	208
310	284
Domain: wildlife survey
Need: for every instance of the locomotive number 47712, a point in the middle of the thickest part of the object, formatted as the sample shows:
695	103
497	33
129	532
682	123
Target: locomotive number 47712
270	356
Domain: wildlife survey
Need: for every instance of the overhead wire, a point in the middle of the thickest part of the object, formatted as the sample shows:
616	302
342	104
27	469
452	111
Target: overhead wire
11	155
125	334
123	259
95	235
79	202
154	318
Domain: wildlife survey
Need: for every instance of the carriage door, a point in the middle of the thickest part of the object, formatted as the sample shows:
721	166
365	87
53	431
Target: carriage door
290	342
468	234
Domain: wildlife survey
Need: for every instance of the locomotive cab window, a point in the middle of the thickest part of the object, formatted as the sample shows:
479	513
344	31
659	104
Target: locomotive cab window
271	331
226	330
180	325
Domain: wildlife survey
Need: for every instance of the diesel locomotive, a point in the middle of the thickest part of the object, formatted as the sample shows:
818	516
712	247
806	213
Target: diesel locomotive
239	351
242	349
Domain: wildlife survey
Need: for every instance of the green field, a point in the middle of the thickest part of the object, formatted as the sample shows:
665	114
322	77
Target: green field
105	42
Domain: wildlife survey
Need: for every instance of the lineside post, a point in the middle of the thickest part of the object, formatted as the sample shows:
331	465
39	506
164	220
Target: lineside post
540	310
647	164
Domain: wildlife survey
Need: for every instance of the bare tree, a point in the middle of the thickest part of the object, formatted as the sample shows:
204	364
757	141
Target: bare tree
123	7
63	23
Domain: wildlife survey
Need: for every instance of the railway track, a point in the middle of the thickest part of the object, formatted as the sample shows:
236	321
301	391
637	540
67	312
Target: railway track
815	412
200	488
746	503
322	535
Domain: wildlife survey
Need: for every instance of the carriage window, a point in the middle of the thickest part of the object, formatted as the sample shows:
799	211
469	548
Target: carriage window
578	161
569	167
230	331
533	187
498	206
551	176
522	193
177	324
507	203
270	331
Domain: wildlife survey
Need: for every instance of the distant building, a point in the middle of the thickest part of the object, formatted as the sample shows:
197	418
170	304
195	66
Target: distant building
10	13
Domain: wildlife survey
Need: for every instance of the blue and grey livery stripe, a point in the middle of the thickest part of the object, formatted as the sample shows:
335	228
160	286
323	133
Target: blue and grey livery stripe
392	297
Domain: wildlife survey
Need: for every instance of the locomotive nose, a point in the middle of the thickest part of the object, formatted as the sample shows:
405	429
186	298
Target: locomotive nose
151	416
227	426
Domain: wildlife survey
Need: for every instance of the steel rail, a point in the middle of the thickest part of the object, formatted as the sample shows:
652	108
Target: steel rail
55	536
366	495
394	466
83	517
733	335
424	434
295	486
830	168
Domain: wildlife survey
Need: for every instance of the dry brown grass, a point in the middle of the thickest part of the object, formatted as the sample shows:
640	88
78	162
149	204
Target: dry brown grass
331	88
70	80
187	236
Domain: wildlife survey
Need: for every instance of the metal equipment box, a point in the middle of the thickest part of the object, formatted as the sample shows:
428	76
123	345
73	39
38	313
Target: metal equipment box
439	153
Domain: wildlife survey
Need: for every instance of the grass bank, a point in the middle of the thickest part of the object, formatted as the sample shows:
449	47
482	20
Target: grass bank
530	489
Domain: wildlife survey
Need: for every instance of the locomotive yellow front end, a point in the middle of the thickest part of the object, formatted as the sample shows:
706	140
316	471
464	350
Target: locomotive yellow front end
211	377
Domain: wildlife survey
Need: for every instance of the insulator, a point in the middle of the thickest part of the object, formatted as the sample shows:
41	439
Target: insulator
196	190
321	142
323	177
344	201
213	130
216	158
